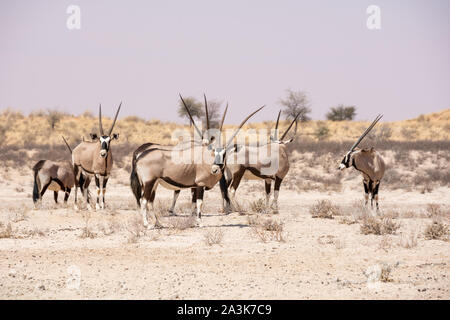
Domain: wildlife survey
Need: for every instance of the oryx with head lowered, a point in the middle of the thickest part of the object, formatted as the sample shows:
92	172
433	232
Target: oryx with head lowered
94	159
268	162
166	166
369	163
53	175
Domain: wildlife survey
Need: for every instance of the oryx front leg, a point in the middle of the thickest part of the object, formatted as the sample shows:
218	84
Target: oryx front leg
200	193
375	194
366	191
268	185
276	192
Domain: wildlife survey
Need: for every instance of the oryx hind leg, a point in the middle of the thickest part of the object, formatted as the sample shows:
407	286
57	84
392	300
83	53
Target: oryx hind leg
268	186
176	194
149	196
55	196
194	201
66	195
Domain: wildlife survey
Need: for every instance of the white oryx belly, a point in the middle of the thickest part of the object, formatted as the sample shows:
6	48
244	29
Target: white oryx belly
168	185
54	186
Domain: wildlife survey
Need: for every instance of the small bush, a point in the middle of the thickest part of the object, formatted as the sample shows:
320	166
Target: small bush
324	209
213	236
258	206
372	225
267	229
341	113
6	231
409	241
433	210
437	231
322	132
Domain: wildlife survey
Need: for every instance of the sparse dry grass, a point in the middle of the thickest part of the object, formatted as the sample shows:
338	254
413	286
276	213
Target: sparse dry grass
258	206
437	230
86	230
213	236
378	226
6	231
266	229
183	223
324	209
135	229
408	241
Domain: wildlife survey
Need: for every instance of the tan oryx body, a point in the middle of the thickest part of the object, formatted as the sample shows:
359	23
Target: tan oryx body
268	162
52	175
93	159
370	163
156	165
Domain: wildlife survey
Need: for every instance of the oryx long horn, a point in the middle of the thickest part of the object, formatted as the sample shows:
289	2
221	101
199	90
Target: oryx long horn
100	125
275	136
366	132
289	128
223	118
115	118
240	126
190	117
206	112
68	146
221	123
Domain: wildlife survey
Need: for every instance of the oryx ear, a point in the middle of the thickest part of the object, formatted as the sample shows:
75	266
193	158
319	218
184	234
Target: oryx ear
288	141
115	136
93	136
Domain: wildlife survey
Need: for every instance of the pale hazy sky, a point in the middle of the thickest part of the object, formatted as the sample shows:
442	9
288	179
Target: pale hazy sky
246	52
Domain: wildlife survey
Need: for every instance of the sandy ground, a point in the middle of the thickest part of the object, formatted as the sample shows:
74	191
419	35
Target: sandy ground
318	259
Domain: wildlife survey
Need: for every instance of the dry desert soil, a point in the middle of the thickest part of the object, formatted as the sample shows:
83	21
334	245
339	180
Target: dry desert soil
56	252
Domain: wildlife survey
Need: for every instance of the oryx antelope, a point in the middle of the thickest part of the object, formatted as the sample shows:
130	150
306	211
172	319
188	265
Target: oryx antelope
258	162
206	140
94	159
53	175
156	166
369	163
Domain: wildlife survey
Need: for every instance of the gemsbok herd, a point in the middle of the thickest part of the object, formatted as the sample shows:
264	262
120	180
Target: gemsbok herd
197	163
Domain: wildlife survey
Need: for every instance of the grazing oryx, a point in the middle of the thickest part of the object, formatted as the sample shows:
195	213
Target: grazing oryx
53	175
94	159
369	163
156	165
263	162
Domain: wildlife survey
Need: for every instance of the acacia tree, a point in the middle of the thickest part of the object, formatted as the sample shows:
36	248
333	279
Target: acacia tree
341	113
296	103
195	107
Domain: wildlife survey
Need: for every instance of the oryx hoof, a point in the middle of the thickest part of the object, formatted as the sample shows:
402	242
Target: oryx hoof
171	213
97	206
